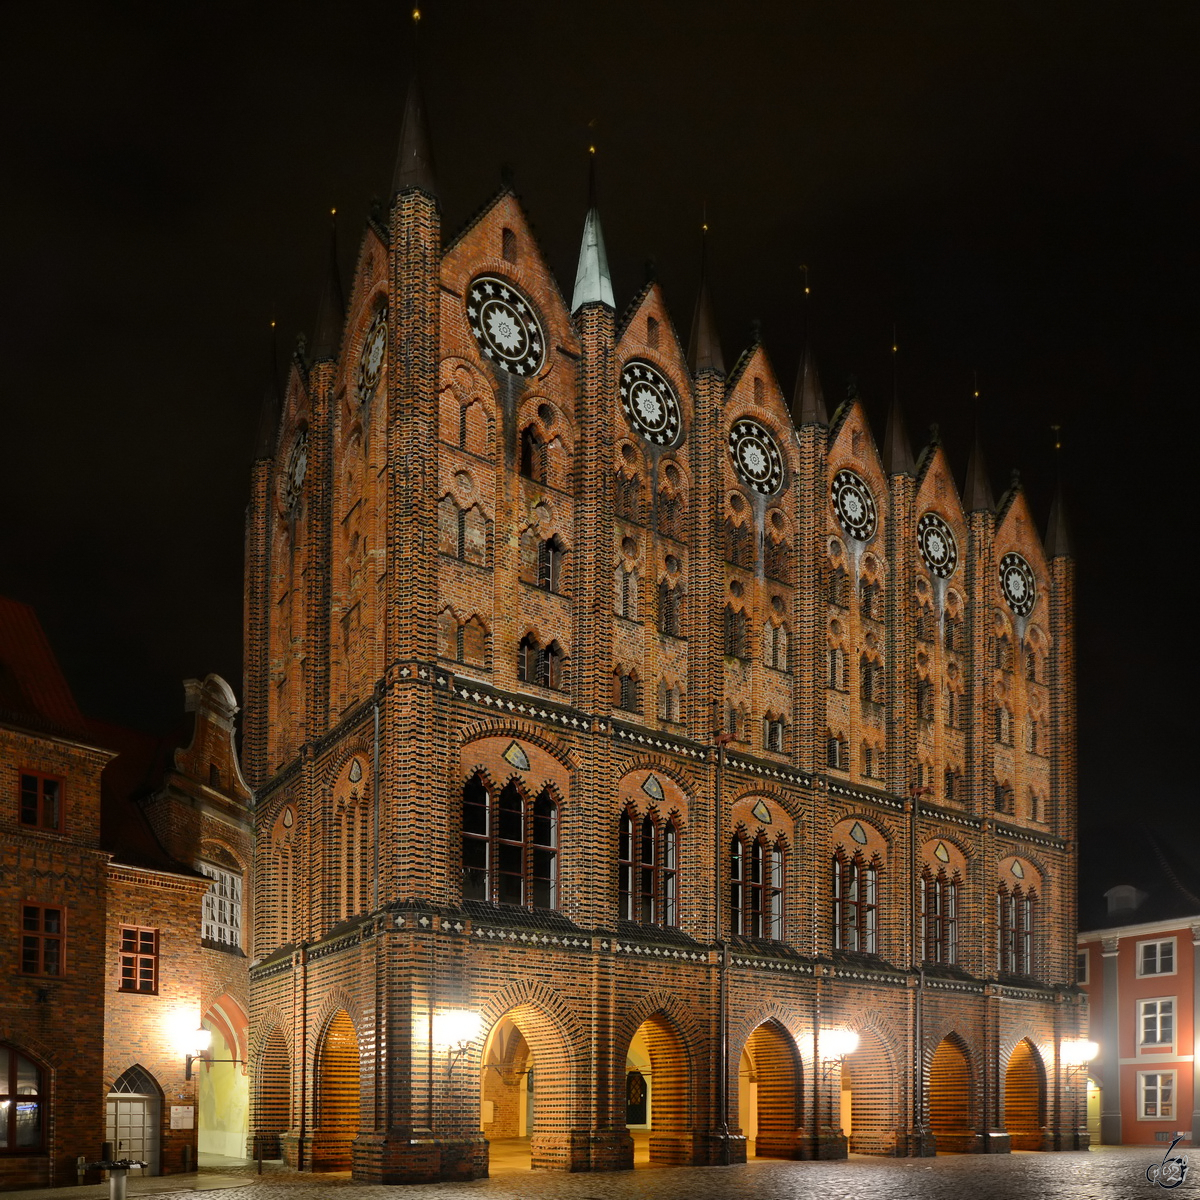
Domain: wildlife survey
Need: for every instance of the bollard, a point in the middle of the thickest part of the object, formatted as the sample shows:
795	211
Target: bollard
80	1169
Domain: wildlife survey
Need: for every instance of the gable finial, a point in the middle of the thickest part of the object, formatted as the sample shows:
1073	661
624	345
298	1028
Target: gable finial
897	453
704	346
977	495
808	401
414	159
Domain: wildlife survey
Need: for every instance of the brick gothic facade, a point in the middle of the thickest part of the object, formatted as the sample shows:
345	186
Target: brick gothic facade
505	577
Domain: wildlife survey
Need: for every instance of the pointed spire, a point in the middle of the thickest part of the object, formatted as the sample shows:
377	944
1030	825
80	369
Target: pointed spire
977	491
1058	537
808	401
704	346
414	162
593	282
272	403
897	453
331	312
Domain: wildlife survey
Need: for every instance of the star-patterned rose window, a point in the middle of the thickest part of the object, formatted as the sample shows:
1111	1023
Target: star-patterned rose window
756	457
937	544
1018	584
854	505
649	403
505	325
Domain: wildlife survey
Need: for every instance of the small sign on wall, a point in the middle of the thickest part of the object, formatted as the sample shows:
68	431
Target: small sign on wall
183	1116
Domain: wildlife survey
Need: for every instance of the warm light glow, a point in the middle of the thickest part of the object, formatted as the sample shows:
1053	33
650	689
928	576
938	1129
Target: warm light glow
333	212
1076	1053
837	1043
201	1041
416	14
455	1027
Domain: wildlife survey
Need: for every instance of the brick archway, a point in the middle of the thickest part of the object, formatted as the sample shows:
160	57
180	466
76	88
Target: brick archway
1025	1098
272	1094
949	1094
672	1135
337	1095
773	1080
870	1077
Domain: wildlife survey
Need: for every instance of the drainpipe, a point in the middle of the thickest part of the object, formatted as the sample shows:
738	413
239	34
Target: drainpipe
722	961
375	801
918	961
302	961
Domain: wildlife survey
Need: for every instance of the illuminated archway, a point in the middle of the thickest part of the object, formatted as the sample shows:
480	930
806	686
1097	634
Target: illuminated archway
869	1103
338	1081
769	1090
666	1136
272	1094
1025	1098
948	1093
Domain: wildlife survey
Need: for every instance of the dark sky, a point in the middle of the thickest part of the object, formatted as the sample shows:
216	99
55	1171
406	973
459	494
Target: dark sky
1014	185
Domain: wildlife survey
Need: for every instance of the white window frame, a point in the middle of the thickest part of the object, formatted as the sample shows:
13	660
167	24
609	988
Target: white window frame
1142	1005
1142	1076
1083	965
1159	942
222	906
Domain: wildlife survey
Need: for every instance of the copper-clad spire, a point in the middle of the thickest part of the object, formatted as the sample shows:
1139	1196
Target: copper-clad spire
414	162
272	403
977	491
1058	536
897	452
704	346
331	312
808	401
593	282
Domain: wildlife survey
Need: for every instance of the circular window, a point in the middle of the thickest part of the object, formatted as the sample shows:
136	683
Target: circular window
854	504
505	325
937	544
756	457
1017	583
649	403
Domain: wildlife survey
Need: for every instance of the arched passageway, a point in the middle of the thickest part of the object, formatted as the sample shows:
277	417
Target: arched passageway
948	1092
133	1117
1025	1098
223	1113
665	1136
869	1116
526	1093
769	1090
272	1094
338	1082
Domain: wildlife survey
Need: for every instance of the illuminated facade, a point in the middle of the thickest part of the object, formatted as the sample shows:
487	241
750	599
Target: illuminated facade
665	725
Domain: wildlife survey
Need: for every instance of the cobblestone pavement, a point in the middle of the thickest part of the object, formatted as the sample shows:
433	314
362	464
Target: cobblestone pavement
1106	1173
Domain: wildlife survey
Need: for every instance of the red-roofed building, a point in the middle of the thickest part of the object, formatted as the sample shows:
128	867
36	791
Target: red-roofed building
122	859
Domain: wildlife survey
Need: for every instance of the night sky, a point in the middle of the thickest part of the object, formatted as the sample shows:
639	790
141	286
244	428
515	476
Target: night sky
1013	185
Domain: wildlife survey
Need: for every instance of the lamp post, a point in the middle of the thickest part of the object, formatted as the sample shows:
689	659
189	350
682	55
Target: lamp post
835	1045
1075	1056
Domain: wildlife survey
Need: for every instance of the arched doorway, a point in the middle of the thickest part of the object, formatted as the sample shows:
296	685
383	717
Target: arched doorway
769	1093
337	1114
527	1093
656	1053
1094	1093
133	1117
223	1113
272	1094
1025	1098
948	1093
869	1116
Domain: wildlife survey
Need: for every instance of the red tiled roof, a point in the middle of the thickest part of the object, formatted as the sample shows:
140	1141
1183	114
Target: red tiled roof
33	691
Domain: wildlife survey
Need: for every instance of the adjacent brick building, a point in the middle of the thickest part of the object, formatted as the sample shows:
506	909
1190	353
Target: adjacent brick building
108	978
649	716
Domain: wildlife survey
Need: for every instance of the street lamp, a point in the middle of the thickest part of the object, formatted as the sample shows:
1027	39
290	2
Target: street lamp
456	1029
1075	1055
201	1041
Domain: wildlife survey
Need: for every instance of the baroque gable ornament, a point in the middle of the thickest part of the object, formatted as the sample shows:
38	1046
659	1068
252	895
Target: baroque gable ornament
505	325
937	544
854	505
649	403
756	457
373	357
1017	583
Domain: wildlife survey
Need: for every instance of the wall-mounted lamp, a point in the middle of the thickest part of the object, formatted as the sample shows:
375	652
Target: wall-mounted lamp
836	1044
1076	1055
201	1043
455	1029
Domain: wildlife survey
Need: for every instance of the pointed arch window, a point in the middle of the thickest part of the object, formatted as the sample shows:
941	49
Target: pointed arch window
939	916
870	600
509	846
629	499
670	514
839	588
739	545
534	456
855	911
1016	913
737	633
551	556
779	560
952	784
1002	649
670	702
670	609
954	708
757	882
838	674
774	733
952	632
541	665
1032	674
625	593
626	690
837	752
924	700
775	646
648	869
22	1097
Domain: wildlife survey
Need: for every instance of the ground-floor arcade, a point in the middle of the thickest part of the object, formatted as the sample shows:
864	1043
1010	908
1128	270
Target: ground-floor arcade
409	1055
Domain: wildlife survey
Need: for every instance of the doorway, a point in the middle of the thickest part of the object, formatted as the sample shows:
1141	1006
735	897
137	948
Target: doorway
133	1118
